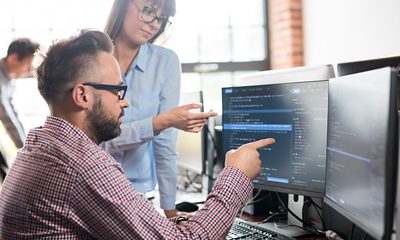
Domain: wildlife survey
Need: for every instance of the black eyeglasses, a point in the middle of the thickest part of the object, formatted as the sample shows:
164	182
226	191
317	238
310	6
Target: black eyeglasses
119	90
149	15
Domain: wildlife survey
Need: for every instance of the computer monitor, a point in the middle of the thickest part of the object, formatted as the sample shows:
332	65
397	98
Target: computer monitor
190	147
286	77
367	65
295	114
362	149
308	81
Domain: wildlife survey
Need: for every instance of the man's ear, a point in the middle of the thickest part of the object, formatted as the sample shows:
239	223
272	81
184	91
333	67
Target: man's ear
13	58
81	96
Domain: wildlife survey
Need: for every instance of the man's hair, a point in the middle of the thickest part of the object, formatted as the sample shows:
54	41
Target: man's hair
23	47
69	60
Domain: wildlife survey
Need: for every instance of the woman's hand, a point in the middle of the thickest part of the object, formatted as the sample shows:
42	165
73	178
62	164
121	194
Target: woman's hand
181	118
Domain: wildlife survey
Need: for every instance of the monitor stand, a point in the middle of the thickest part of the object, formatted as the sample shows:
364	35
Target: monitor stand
292	227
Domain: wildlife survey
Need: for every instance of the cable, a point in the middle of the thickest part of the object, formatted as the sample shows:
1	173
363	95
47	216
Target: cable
249	201
189	181
319	214
314	203
365	236
256	201
310	202
320	217
272	216
288	210
306	224
352	230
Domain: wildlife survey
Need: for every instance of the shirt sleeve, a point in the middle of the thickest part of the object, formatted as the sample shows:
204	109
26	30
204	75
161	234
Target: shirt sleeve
9	118
164	145
106	206
132	134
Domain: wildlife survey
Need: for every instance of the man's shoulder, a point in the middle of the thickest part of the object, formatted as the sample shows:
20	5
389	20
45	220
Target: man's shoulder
77	152
88	154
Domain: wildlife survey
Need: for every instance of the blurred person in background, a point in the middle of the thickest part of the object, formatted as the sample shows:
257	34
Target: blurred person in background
146	147
16	64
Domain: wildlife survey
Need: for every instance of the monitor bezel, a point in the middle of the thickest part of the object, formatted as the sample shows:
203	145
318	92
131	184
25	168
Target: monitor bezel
390	168
289	190
347	68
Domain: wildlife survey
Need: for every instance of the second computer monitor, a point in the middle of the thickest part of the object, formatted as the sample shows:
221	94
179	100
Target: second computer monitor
362	147
295	114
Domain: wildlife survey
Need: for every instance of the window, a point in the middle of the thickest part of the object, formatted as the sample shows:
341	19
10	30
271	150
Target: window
218	41
44	21
47	20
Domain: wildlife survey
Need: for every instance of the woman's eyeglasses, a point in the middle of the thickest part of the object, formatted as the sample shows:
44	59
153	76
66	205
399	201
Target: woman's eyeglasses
149	15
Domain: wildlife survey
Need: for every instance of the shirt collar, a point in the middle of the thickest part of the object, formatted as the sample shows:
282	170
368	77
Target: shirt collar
141	59
65	128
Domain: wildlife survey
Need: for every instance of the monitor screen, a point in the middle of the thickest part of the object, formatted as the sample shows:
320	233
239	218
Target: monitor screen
190	146
295	114
361	151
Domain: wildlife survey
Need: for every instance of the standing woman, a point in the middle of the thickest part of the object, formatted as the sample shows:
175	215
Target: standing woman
146	147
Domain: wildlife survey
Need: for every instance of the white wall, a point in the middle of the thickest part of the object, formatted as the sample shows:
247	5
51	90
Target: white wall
346	30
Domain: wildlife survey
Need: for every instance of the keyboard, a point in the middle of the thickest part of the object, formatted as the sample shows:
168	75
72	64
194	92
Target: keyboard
246	230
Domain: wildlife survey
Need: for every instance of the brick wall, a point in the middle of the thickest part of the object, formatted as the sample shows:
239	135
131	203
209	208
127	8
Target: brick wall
286	33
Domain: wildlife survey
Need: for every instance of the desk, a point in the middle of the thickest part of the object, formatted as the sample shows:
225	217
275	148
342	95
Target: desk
198	197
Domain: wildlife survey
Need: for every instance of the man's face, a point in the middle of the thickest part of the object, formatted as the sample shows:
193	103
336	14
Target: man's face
104	118
20	68
103	126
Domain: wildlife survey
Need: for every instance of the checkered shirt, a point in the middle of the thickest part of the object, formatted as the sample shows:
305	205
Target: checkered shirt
64	186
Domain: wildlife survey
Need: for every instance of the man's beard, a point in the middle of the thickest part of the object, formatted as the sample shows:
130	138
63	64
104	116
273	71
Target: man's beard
102	127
